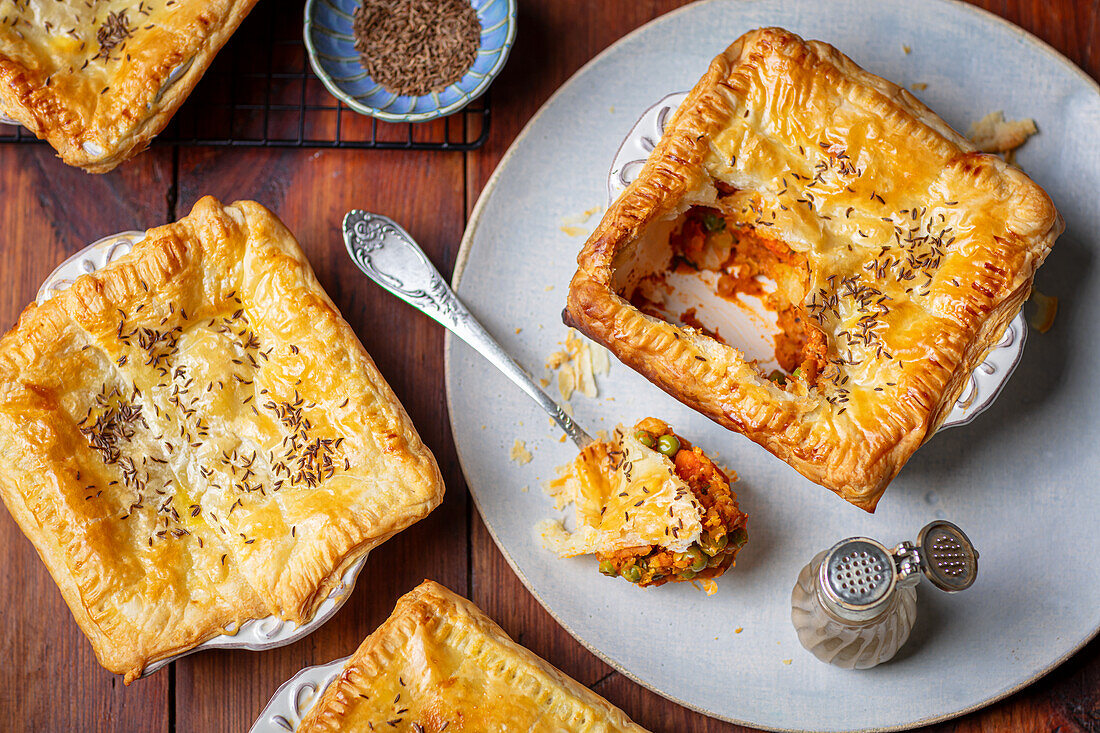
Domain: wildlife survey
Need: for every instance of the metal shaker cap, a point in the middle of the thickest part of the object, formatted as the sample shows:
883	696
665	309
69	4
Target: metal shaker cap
857	578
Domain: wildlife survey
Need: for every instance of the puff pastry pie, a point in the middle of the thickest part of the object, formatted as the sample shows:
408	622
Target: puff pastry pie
99	80
899	255
652	508
439	664
193	437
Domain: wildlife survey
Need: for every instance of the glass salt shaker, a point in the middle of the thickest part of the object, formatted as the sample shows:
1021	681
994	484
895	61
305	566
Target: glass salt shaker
855	603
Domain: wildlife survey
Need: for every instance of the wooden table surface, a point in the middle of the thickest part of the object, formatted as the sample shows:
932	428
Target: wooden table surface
49	678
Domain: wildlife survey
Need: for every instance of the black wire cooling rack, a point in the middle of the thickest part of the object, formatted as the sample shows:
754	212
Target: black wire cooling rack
261	92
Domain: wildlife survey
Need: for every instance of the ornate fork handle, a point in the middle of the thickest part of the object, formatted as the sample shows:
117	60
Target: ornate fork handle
388	255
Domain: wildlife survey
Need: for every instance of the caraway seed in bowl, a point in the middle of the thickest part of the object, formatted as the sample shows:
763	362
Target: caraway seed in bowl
414	47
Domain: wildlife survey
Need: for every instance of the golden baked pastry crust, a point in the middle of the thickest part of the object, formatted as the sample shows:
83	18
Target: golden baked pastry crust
193	437
99	96
439	663
901	220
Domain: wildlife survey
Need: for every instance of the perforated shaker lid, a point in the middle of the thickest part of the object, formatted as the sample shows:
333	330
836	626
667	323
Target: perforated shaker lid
948	557
856	578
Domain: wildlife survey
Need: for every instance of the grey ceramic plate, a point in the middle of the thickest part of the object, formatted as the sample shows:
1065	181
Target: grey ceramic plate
1020	479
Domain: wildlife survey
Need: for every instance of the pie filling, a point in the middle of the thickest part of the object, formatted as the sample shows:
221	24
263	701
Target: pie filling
723	523
751	285
651	507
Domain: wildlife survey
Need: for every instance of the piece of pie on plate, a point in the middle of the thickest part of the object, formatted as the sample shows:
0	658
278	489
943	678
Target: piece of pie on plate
889	253
193	437
650	506
439	664
99	80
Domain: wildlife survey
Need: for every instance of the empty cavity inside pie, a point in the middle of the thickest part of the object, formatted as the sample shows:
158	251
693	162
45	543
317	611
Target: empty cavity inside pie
721	273
650	506
811	257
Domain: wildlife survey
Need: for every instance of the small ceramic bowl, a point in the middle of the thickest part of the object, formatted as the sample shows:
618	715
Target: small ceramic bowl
330	41
985	382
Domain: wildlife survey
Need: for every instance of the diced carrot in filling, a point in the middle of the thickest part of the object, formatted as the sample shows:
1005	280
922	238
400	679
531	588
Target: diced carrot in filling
723	523
707	239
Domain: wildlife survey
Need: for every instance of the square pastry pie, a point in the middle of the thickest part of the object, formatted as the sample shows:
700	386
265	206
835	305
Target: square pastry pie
99	80
193	437
890	254
439	664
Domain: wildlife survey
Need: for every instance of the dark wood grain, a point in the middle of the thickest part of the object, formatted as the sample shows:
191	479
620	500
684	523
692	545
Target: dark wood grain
48	211
49	677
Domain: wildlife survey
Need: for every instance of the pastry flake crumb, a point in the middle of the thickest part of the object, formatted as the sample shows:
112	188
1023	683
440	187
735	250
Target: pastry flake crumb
906	49
581	218
738	630
519	453
920	86
787	661
573	231
577	366
548	288
994	134
708	586
1046	308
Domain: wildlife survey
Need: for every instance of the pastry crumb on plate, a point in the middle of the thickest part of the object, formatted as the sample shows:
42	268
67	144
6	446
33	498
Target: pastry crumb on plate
519	453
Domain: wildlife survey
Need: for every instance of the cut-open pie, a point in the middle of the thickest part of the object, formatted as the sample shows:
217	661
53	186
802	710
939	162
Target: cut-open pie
439	664
895	255
99	80
193	437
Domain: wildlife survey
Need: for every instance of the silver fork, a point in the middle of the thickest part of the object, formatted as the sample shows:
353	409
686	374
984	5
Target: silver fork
388	255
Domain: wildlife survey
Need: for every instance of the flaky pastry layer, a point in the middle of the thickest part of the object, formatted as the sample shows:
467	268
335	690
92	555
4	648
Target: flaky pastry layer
920	252
193	437
100	80
439	664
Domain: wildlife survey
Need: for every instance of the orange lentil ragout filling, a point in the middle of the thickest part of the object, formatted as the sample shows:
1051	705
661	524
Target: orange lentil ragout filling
708	239
724	532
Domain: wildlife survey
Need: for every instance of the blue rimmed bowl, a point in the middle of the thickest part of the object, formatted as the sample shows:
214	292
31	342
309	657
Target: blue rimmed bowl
330	41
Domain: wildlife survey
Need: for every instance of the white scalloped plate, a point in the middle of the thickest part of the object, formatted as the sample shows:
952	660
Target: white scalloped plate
295	697
257	634
1023	468
984	383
